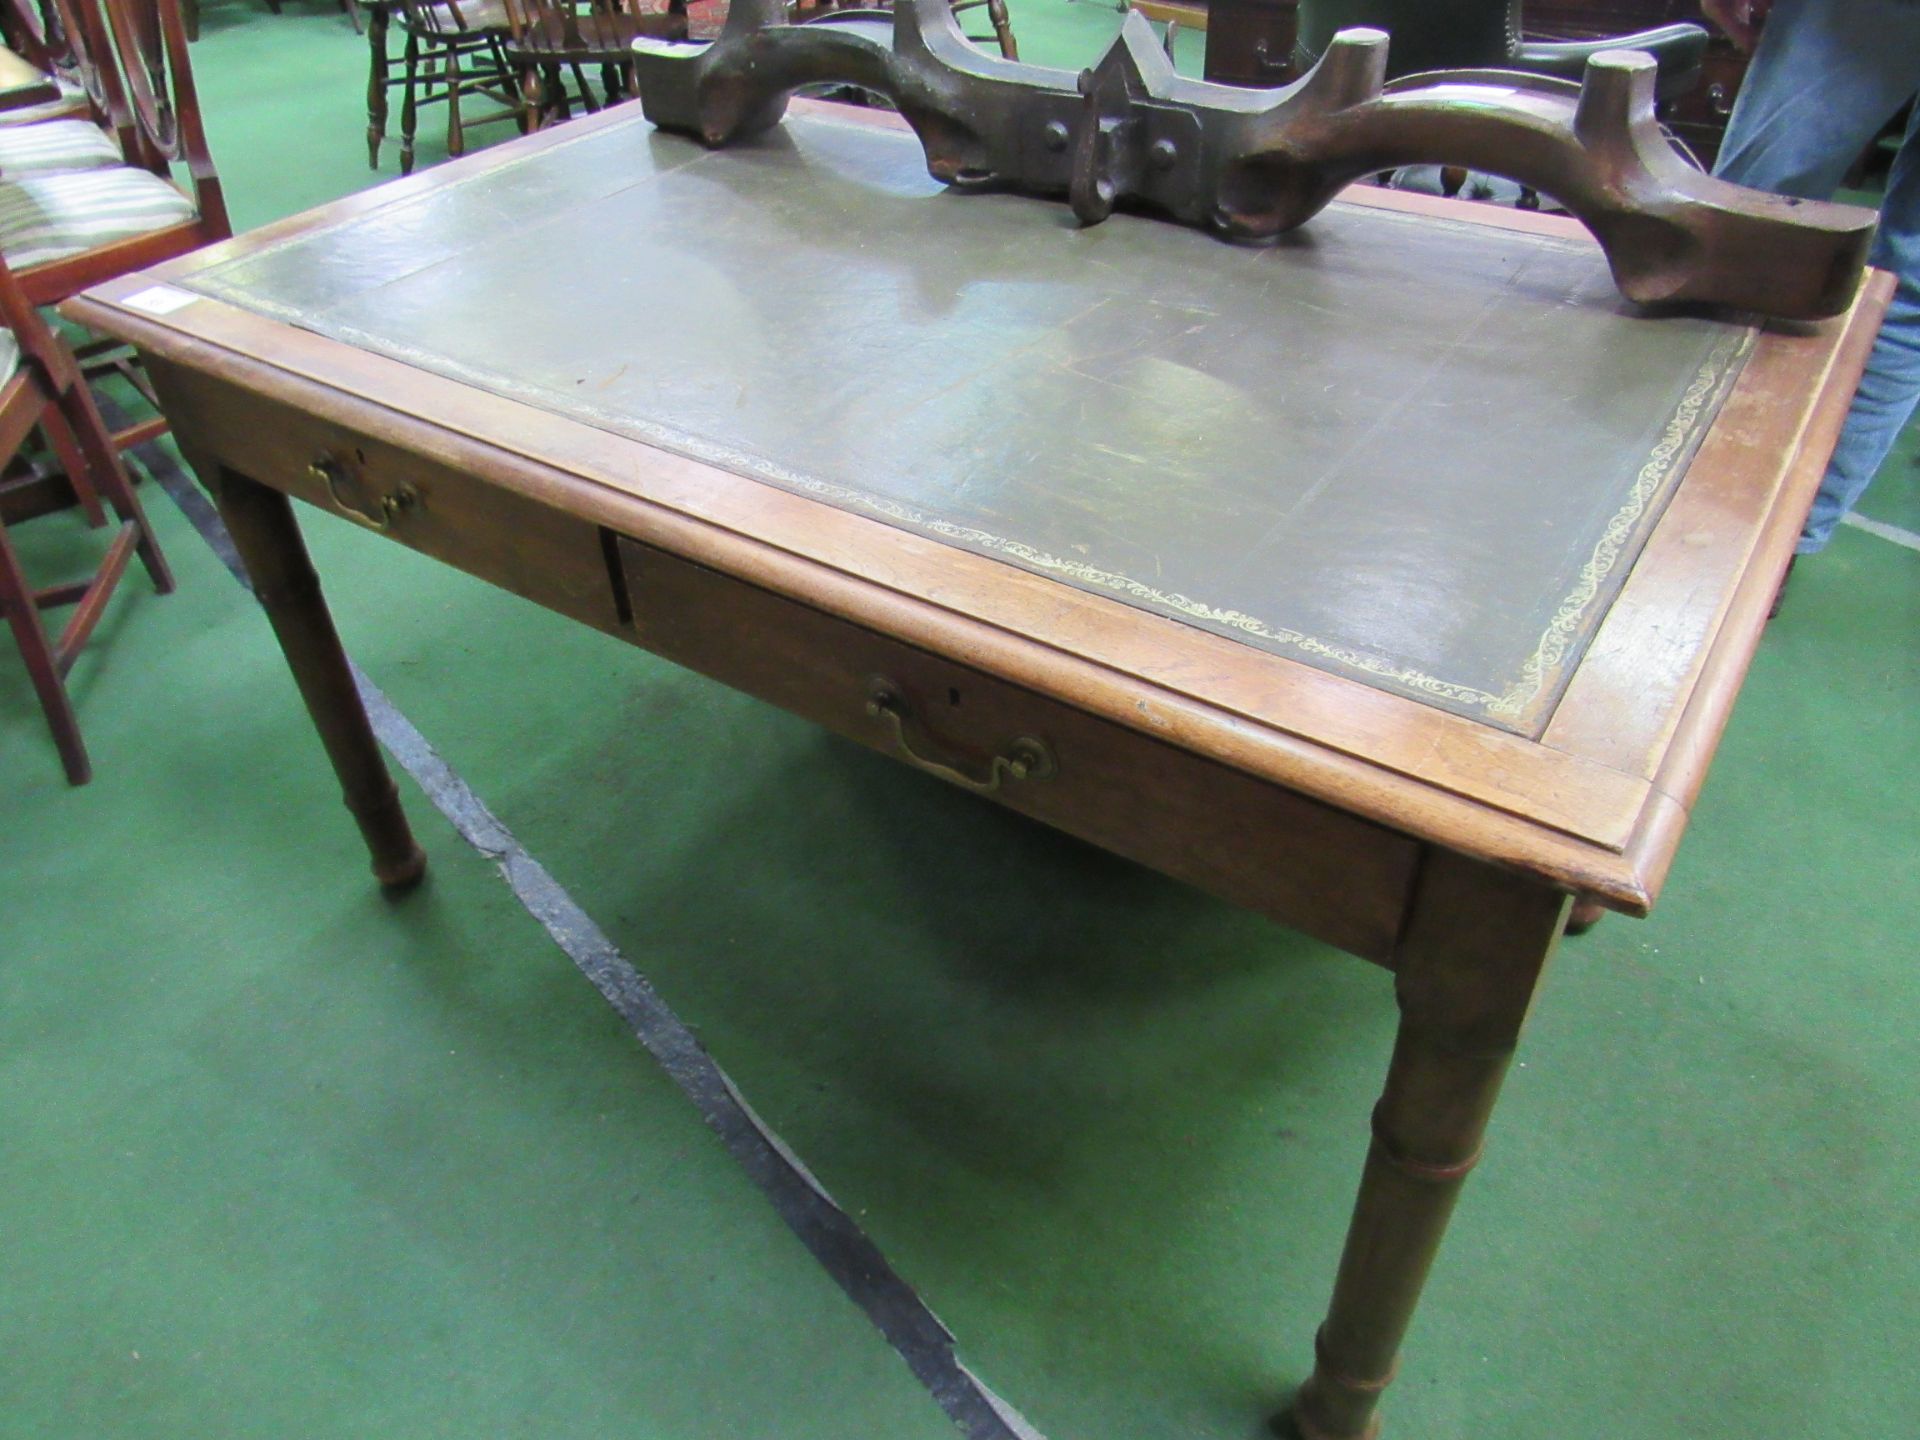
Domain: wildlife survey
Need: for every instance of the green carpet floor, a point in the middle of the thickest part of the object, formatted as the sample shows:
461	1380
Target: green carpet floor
280	1158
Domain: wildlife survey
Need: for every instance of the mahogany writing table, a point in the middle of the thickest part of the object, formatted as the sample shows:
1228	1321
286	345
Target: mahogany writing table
1395	581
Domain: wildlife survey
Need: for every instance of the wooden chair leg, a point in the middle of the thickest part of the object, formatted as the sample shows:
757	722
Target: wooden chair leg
456	80
102	358
553	97
533	99
79	474
75	413
23	617
513	82
587	100
1003	29
410	103
378	65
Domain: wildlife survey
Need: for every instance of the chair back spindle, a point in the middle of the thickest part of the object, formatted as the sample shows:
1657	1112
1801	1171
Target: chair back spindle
550	39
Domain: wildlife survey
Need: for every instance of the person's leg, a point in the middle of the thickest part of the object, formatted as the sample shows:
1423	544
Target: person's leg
1891	385
1826	76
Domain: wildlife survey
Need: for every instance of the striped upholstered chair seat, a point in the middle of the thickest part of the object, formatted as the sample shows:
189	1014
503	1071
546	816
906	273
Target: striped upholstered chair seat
44	218
55	146
9	356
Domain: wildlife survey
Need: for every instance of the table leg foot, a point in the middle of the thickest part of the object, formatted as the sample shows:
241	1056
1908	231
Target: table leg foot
1465	972
1332	1406
394	872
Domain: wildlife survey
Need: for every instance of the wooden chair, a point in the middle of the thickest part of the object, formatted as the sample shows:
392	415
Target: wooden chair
91	132
998	21
350	8
1486	34
453	50
41	32
62	232
551	39
42	388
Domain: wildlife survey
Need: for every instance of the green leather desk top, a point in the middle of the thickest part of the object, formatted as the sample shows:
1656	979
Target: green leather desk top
1419	453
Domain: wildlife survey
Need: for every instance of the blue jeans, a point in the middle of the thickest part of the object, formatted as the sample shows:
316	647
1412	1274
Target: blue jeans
1827	75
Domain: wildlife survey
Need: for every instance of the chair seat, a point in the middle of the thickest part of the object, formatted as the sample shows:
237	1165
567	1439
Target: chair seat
55	146
73	101
9	356
44	218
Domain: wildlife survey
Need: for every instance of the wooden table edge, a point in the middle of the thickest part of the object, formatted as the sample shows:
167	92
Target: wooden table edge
1366	787
1615	860
1511	772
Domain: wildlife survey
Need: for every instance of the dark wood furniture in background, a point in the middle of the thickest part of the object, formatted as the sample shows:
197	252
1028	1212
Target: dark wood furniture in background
991	28
1251	42
550	42
1699	117
148	47
999	26
453	51
61	232
41	388
1187	14
1418	823
67	39
351	8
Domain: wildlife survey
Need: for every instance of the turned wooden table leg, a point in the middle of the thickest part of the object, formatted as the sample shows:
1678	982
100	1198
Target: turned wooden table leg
268	539
1471	956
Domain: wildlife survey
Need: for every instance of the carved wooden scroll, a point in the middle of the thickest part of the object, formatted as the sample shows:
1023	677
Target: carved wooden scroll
1252	164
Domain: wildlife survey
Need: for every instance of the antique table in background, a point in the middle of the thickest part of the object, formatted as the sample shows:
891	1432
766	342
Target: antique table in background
1395	581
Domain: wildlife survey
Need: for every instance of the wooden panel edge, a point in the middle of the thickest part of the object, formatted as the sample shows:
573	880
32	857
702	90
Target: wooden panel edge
1676	757
529	447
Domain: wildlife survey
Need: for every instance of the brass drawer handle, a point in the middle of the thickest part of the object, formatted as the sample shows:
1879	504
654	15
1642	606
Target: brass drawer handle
330	472
1022	759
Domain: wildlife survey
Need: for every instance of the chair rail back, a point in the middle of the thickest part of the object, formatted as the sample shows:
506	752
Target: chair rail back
149	40
72	40
447	18
598	31
33	30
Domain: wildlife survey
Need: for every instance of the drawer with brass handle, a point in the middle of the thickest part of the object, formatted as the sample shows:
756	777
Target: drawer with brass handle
508	539
1242	838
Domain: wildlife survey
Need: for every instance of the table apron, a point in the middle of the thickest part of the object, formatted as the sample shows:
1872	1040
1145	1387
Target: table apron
1338	877
519	544
1246	840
